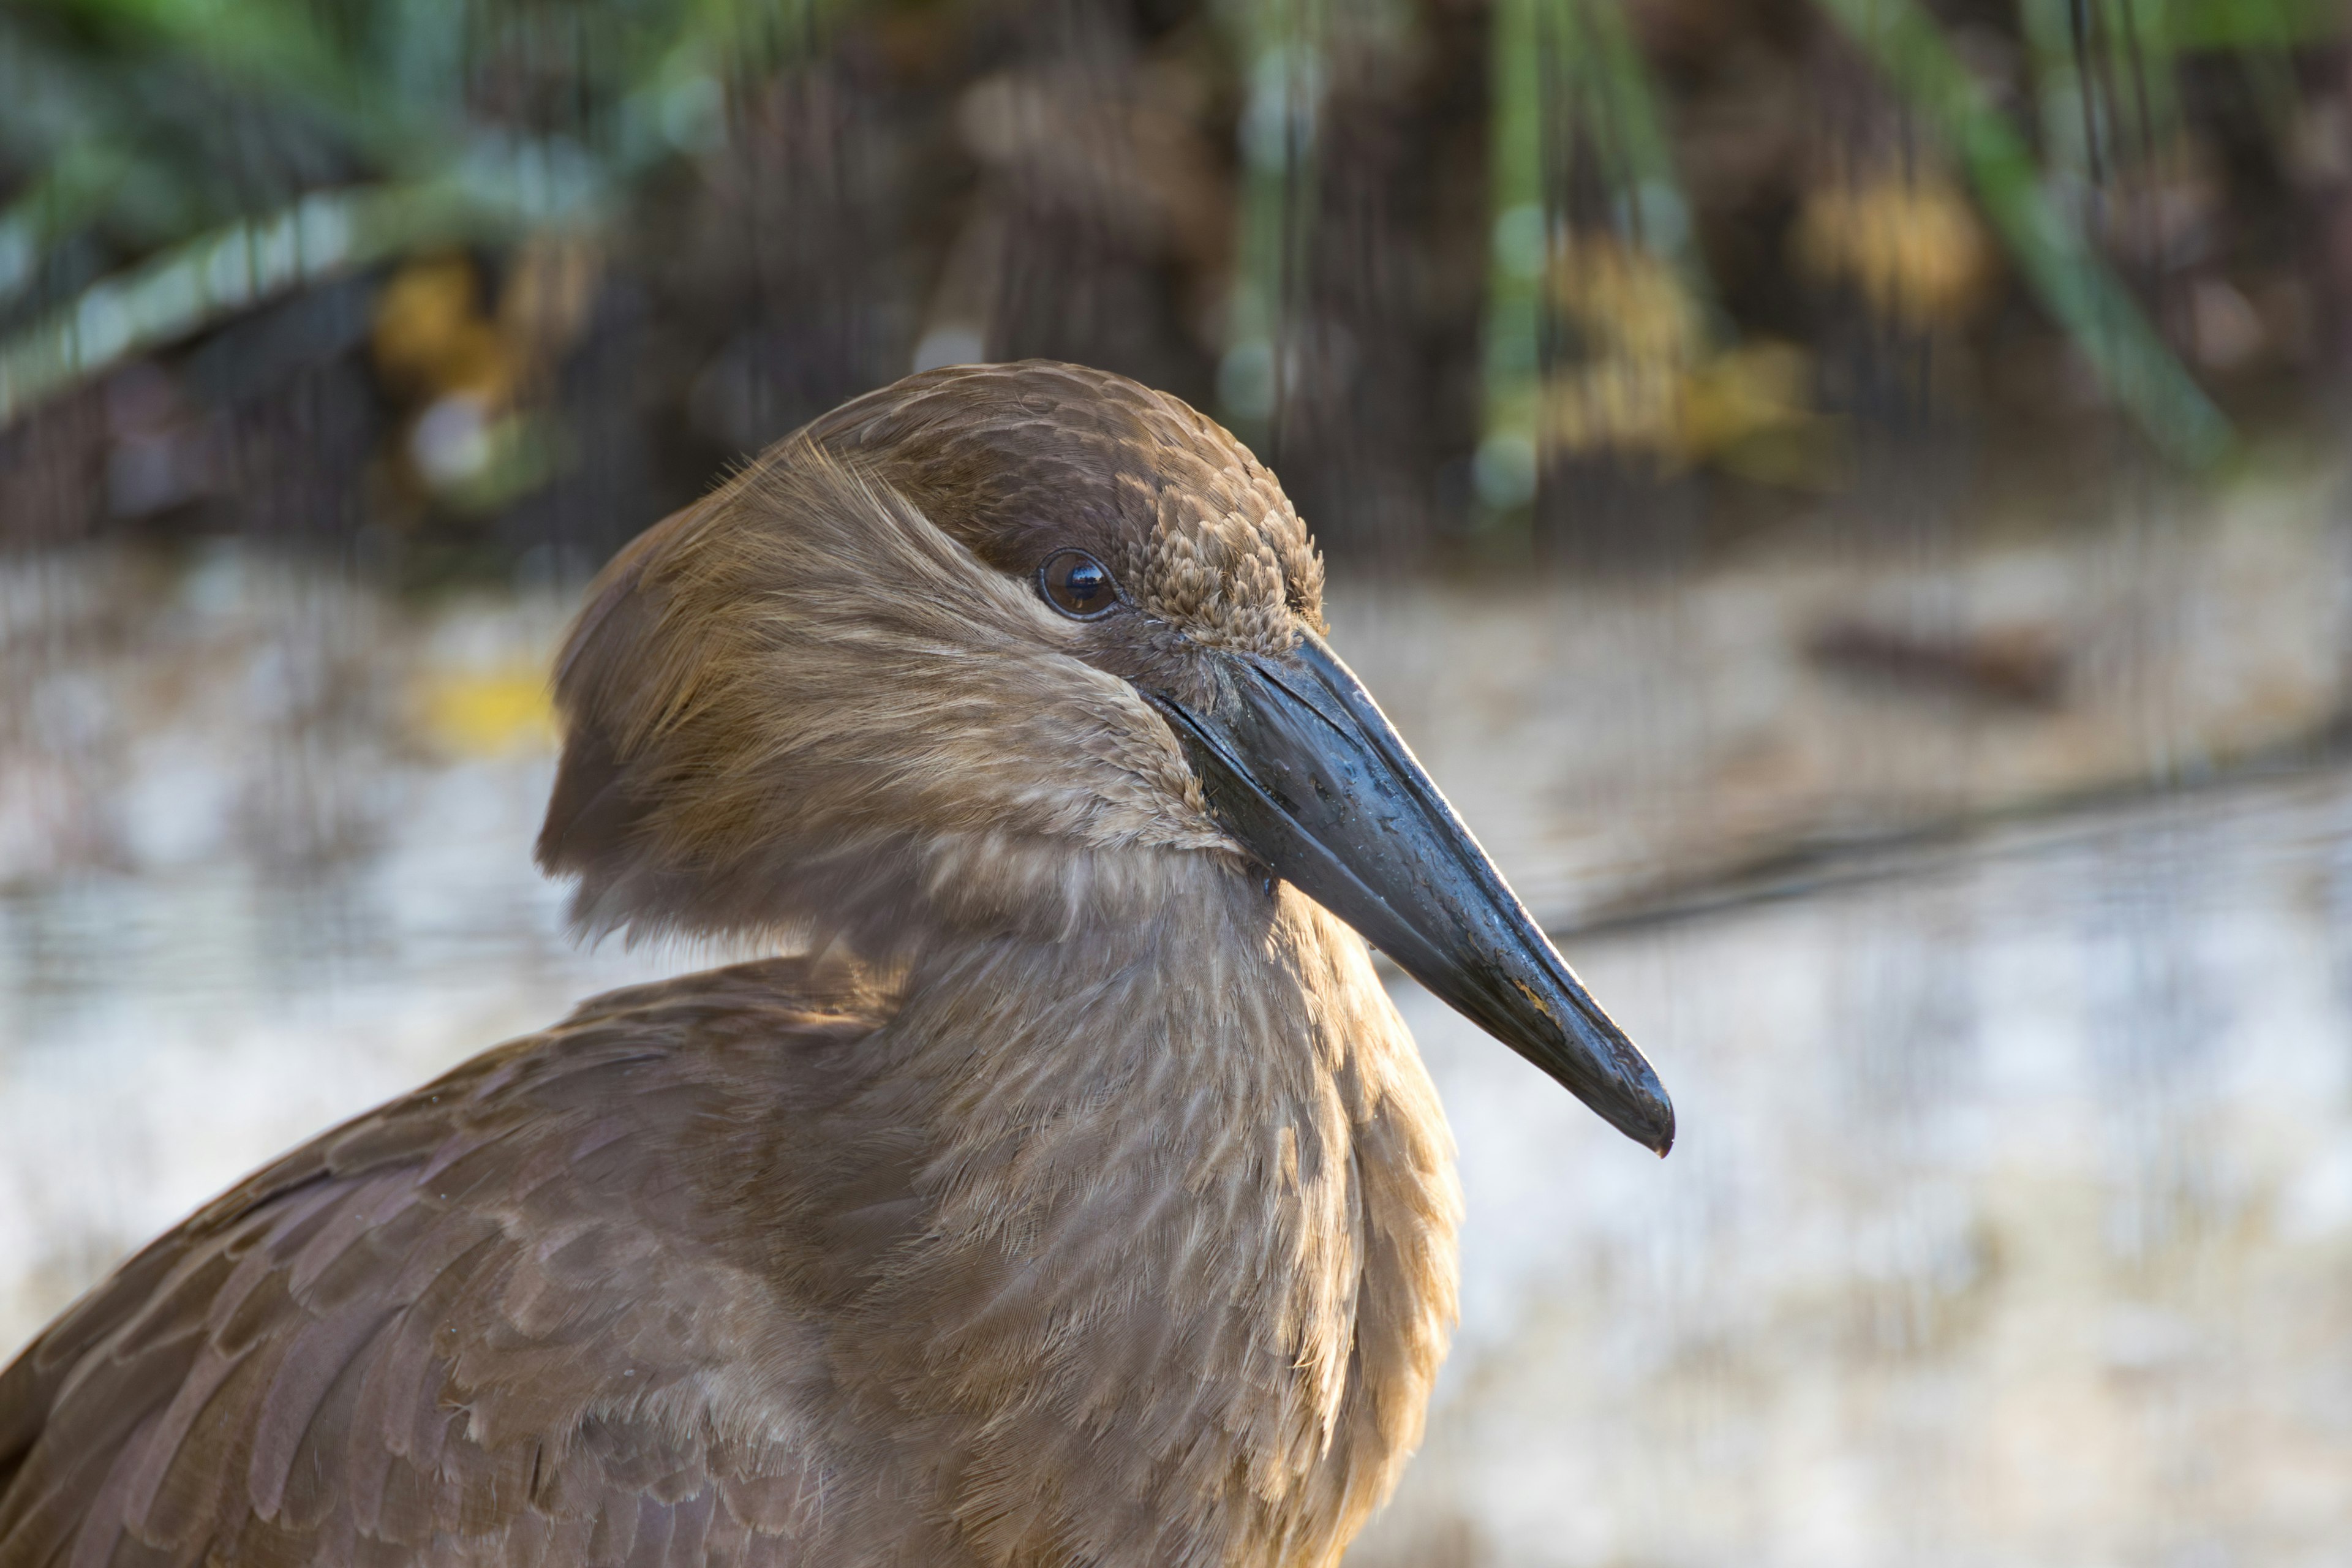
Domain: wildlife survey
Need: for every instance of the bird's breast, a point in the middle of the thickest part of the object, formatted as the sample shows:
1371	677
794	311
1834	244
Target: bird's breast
1186	1267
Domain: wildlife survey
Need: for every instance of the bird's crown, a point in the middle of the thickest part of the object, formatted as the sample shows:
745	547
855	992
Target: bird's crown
1019	460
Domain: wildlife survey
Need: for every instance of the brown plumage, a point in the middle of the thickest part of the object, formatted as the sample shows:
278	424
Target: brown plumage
1076	1198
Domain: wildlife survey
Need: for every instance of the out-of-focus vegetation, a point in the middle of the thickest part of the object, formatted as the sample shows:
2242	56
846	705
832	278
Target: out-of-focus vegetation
463	283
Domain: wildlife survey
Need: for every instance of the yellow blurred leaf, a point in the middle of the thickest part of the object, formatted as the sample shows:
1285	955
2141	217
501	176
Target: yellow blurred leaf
485	713
1624	303
431	337
1913	247
1750	412
1747	411
1617	404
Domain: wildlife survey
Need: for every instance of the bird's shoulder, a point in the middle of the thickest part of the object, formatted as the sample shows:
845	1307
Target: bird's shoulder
535	1310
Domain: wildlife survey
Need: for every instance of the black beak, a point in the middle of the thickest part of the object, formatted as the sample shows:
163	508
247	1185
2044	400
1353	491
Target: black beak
1300	766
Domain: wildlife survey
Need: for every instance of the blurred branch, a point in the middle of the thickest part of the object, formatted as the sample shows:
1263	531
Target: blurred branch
1281	43
190	284
1573	99
1806	864
2097	312
1520	243
179	290
2106	74
1614	101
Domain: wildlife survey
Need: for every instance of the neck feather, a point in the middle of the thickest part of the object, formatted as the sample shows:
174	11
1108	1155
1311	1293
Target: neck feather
1192	1247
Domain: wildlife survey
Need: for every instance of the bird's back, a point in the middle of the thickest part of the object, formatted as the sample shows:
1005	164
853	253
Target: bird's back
520	1316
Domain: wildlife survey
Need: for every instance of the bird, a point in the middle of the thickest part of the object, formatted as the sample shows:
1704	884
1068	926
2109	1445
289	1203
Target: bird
1059	1187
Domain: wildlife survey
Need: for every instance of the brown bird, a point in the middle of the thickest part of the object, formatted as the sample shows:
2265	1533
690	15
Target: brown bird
1075	1196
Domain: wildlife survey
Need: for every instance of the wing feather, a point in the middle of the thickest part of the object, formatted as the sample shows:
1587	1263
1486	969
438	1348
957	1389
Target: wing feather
479	1325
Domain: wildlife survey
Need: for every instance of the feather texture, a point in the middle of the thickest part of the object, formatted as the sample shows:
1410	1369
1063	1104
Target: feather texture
769	1266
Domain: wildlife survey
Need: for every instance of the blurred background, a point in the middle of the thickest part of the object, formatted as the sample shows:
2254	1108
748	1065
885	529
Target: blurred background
1848	495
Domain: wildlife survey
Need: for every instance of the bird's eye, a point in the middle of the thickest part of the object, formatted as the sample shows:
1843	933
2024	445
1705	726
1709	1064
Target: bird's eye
1077	584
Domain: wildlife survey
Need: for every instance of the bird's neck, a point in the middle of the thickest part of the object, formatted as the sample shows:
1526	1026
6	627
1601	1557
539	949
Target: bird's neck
1205	1179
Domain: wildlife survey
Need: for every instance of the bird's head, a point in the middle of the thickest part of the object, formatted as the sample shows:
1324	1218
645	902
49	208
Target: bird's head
1012	648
